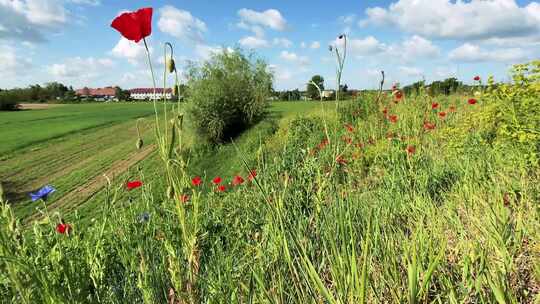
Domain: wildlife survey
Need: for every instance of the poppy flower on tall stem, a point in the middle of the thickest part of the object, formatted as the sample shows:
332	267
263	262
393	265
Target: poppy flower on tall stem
411	150
393	118
134	26
476	78
63	228
237	180
429	126
434	105
221	188
217	180
196	181
133	185
184	198
349	127
252	174
442	114
472	101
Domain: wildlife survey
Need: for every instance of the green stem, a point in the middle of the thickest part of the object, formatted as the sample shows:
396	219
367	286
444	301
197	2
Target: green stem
154	84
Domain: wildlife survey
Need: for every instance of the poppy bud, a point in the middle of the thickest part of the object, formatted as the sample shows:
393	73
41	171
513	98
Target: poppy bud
341	36
140	143
171	67
1	193
175	90
170	192
330	48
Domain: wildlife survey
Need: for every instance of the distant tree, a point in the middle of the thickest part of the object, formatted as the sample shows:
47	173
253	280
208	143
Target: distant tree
121	95
312	90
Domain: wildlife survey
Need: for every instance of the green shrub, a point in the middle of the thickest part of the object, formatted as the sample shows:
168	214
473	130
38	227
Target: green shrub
7	103
227	94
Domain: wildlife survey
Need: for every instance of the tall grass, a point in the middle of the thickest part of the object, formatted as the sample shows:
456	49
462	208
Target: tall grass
357	220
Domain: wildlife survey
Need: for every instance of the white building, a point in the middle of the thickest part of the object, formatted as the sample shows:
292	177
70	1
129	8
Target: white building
148	93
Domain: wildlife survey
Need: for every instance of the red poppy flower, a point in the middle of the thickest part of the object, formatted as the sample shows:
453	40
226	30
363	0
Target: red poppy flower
349	127
434	106
442	114
452	109
221	188
252	174
340	160
184	198
393	118
323	144
347	140
429	126
398	95
237	180
411	150
217	180
63	228
133	185
196	181
134	26
477	78
472	101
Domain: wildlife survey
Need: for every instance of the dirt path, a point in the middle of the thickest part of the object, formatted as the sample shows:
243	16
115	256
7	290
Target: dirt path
83	192
35	106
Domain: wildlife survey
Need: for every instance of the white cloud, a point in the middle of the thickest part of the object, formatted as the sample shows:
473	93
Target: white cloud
283	42
303	45
347	22
473	53
204	52
414	48
410	71
458	19
361	47
29	20
294	58
135	53
271	18
253	42
86	2
10	63
315	45
181	24
80	68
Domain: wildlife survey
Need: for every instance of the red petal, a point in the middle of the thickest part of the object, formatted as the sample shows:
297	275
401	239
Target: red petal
145	21
134	26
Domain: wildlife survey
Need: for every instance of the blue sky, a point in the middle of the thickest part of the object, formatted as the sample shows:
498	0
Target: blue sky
71	41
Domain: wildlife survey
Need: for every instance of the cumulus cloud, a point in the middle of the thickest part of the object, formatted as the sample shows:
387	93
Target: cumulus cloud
81	68
283	42
294	58
253	42
271	18
135	53
29	20
410	71
362	47
414	48
204	52
473	53
86	2
181	24
448	19
315	45
11	63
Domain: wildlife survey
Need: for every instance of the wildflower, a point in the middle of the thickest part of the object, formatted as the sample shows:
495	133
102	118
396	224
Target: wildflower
393	118
134	26
472	101
359	145
434	106
323	144
252	174
184	198
63	228
133	185
477	78
442	114
452	109
221	188
385	111
144	217
429	126
340	160
411	150
42	193
349	127
398	95
237	180
196	181
347	140
217	180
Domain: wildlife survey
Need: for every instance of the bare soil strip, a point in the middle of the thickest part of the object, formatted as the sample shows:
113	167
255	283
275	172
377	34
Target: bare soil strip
83	192
36	106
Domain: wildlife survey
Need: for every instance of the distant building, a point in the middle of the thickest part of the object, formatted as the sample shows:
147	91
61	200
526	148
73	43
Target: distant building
148	93
107	93
327	93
